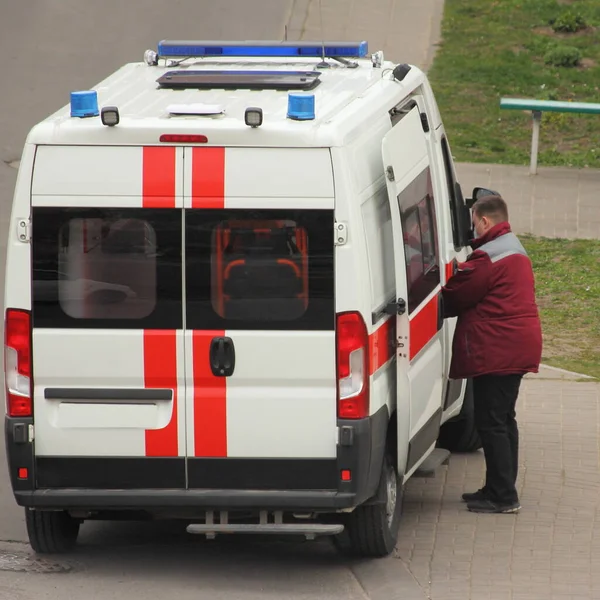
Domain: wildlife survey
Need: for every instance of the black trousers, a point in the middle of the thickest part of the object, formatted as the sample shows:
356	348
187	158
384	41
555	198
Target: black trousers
495	397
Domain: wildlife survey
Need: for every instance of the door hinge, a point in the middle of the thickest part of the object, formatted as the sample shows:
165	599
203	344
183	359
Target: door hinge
395	307
425	122
31	434
390	173
24	230
340	234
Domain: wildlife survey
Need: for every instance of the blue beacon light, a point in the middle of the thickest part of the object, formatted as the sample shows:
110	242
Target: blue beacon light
301	107
84	104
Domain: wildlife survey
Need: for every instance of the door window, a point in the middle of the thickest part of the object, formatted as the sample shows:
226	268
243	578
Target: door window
263	269
417	211
113	268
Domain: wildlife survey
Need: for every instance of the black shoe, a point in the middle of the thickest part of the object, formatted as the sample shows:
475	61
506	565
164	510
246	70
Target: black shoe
488	506
474	496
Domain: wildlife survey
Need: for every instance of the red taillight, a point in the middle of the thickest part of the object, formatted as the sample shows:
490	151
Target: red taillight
352	343
177	138
17	362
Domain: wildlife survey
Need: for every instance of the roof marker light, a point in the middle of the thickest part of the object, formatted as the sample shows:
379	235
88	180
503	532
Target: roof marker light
84	104
150	58
185	48
301	107
183	138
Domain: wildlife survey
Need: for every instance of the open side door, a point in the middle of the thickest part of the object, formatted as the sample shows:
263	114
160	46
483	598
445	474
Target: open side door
418	287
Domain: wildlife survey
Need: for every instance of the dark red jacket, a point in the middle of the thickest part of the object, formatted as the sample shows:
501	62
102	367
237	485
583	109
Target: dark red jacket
498	329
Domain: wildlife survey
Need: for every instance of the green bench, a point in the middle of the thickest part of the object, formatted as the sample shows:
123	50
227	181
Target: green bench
537	107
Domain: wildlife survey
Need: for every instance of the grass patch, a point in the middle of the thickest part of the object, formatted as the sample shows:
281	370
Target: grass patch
567	274
495	48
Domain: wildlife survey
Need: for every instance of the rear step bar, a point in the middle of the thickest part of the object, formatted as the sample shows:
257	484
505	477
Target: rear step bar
310	530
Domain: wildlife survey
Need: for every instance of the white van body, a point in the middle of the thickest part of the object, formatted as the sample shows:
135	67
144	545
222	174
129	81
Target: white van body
245	329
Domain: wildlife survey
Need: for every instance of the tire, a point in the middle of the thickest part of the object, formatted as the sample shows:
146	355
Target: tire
460	434
371	530
51	532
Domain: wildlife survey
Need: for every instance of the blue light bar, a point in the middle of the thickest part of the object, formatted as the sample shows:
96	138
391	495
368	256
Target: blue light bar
180	49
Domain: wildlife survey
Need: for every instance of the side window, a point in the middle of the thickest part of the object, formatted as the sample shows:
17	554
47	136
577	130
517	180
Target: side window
417	211
113	268
456	204
262	269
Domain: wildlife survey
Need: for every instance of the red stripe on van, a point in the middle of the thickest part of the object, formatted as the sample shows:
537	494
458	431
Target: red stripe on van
158	188
160	371
450	268
208	178
423	326
210	400
382	345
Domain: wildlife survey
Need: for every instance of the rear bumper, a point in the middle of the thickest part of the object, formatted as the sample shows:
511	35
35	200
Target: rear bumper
75	499
155	484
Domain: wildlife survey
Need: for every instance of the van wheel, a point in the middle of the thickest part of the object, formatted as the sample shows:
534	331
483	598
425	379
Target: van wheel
460	434
371	530
51	532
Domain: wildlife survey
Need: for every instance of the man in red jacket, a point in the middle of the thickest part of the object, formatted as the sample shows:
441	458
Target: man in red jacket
498	339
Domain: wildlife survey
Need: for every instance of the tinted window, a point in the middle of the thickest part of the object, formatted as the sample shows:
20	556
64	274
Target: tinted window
456	203
417	210
260	269
113	268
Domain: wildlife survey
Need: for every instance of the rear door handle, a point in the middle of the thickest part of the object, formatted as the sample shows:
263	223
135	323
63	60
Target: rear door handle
222	356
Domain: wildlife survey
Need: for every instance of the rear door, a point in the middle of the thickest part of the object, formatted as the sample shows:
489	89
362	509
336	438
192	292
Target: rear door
259	319
108	345
418	281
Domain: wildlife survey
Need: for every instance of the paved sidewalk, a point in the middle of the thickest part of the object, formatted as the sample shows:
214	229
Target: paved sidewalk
551	550
557	202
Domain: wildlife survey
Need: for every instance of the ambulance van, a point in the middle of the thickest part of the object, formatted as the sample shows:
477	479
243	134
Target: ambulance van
222	298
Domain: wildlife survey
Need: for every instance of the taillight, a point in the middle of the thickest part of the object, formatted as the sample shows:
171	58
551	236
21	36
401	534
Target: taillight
17	362
352	343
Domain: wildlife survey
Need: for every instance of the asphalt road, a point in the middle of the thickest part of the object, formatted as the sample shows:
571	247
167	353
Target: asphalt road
50	48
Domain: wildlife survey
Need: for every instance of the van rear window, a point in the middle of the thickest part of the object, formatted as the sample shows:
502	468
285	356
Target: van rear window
259	269
114	268
123	269
107	268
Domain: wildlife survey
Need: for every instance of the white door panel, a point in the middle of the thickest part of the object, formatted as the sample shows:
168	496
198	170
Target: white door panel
90	422
282	403
417	269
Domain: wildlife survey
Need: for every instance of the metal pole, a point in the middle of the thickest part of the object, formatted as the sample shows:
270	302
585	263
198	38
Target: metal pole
535	140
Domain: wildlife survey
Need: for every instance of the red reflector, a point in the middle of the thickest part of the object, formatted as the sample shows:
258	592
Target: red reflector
177	138
17	362
23	473
352	342
346	475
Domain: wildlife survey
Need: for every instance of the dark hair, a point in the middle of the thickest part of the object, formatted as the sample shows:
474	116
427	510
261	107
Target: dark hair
493	207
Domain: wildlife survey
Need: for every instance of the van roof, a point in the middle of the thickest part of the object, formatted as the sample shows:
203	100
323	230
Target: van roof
145	107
